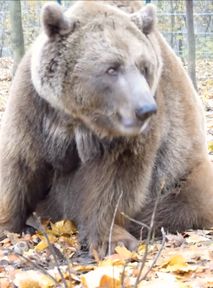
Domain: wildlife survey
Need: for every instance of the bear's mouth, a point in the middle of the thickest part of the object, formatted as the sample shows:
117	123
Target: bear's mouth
133	128
108	126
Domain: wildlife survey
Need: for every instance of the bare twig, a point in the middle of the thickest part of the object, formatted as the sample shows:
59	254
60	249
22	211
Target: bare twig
123	273
143	259
69	270
51	247
150	231
112	224
141	234
157	255
135	221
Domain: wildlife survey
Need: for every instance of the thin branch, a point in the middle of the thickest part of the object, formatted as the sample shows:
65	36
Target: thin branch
141	234
123	273
135	221
112	224
51	247
143	261
156	256
69	270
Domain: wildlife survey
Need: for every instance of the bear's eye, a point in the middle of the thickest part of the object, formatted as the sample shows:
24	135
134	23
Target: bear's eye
113	70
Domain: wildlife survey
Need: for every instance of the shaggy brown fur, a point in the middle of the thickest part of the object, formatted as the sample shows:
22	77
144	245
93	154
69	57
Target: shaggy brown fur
57	87
35	141
172	151
90	83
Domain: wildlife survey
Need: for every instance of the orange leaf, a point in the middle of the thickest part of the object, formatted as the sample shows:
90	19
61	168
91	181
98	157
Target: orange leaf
108	282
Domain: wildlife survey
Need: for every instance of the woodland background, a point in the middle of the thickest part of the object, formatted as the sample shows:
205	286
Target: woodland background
51	258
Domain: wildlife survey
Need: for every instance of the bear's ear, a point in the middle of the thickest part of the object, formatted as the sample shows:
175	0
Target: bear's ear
54	21
146	18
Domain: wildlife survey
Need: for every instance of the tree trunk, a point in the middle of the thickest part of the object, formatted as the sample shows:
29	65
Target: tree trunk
172	23
17	37
191	41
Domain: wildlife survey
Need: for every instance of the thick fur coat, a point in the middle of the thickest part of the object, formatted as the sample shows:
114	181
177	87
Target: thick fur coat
76	127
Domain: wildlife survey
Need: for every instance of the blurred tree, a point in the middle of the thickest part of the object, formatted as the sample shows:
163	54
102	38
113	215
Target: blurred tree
172	23
17	38
191	41
2	23
59	1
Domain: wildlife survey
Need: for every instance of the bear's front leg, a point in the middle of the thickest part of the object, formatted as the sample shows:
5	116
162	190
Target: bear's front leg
21	189
96	195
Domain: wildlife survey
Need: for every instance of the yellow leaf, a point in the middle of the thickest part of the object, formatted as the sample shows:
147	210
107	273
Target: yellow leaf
174	261
43	243
177	264
141	248
123	252
41	246
29	284
210	146
64	227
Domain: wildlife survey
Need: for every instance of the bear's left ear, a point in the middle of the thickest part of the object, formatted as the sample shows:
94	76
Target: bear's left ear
146	18
55	22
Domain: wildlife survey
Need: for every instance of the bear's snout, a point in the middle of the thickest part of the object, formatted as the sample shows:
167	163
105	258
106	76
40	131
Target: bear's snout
145	111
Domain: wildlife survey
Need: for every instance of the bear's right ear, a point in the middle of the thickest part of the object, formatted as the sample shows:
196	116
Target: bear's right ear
54	21
145	19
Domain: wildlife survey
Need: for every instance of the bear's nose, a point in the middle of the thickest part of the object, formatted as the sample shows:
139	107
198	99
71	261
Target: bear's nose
145	111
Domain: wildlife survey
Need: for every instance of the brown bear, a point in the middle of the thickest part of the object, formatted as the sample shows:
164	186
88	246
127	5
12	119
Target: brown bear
127	169
101	113
66	80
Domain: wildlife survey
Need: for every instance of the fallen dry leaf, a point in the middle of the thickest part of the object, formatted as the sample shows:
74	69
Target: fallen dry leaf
93	279
123	252
108	282
43	244
64	227
33	279
164	280
177	264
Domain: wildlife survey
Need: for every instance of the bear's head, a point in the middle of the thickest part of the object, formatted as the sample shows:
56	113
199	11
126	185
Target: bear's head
99	65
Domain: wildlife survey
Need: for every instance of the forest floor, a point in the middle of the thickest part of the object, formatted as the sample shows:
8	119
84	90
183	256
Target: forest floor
53	258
